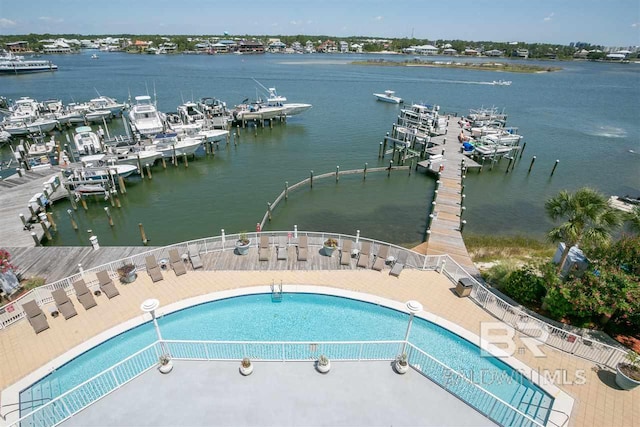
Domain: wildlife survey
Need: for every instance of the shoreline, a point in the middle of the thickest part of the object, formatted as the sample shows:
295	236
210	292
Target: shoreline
483	66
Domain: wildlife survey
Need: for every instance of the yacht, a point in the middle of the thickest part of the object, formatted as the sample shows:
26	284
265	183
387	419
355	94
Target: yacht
12	64
388	96
290	109
145	118
106	103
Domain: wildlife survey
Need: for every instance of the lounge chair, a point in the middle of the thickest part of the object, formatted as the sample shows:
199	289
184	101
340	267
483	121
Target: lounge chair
263	250
153	269
399	264
381	258
64	304
84	294
363	258
106	284
345	253
282	252
194	256
176	262
35	316
303	248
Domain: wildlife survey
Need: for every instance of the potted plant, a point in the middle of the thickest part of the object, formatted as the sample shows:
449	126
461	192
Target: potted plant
329	246
242	244
246	367
628	374
401	365
127	273
165	363
323	365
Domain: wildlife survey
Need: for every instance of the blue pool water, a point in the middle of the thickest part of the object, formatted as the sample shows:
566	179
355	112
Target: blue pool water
299	317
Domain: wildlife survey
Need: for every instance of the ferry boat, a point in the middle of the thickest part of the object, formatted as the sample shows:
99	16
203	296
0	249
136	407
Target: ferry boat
388	96
12	64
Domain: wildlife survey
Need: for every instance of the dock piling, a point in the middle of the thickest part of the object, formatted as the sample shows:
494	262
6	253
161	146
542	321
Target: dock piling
390	166
364	174
286	190
337	173
84	203
164	163
35	239
123	188
51	221
46	230
554	167
186	162
311	179
531	165
148	171
73	221
106	210
25	226
145	241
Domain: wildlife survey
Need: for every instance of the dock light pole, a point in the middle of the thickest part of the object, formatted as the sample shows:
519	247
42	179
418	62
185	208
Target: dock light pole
413	307
149	306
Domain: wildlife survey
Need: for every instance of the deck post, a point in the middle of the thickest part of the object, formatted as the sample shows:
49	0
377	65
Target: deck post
35	239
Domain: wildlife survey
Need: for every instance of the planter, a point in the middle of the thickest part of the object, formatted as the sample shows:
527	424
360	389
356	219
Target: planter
328	250
242	248
127	275
246	371
323	369
166	368
623	380
401	369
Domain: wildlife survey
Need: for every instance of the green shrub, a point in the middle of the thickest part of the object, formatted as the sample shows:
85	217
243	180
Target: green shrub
525	286
33	282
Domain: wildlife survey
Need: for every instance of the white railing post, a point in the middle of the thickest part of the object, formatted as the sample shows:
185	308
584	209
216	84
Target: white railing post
295	231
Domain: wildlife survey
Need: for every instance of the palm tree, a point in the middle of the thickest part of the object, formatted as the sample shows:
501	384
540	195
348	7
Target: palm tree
634	219
589	219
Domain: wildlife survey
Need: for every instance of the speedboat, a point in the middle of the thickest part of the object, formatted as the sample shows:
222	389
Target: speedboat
106	103
256	111
145	118
168	144
502	82
290	109
388	96
103	172
86	140
97	116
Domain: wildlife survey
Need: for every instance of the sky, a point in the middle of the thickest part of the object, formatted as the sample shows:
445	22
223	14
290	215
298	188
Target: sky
601	22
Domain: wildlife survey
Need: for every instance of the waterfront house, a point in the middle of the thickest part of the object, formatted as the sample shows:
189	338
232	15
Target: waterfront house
494	52
251	46
450	51
19	46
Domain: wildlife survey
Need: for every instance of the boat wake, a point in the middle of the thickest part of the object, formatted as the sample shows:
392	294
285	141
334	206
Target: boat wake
607	132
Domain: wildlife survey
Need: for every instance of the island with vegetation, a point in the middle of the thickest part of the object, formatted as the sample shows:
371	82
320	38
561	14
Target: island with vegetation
484	66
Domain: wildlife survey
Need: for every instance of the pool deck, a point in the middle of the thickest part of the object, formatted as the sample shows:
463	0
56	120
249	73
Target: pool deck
598	402
282	394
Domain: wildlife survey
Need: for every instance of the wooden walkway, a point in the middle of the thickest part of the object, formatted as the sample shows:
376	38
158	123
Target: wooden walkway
445	235
15	193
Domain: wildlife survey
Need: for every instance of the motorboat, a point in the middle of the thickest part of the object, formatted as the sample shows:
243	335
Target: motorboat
106	103
40	125
388	96
502	82
145	118
169	145
94	56
256	111
97	116
213	135
87	141
290	109
12	64
106	171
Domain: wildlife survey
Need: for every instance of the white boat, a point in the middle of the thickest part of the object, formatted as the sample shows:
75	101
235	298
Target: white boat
106	103
502	82
97	116
388	96
168	144
125	156
41	125
145	118
86	141
491	149
94	56
256	111
12	64
103	172
290	109
213	135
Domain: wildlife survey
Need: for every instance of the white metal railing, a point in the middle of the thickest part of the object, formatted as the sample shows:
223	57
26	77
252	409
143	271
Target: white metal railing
71	402
544	332
519	319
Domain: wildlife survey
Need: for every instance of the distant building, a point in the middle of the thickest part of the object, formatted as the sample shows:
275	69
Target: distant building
251	46
449	51
328	46
21	46
425	49
520	53
494	52
276	46
471	52
355	47
344	47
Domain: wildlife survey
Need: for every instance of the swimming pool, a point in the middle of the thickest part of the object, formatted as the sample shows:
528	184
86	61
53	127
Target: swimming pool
298	317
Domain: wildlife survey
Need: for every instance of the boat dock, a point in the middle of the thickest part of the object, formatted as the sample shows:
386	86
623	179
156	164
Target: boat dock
18	201
444	233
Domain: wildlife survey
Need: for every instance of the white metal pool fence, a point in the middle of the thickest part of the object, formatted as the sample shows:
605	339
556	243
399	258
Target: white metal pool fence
519	319
73	401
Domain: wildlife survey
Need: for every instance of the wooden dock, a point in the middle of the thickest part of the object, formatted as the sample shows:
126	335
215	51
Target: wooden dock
15	194
445	234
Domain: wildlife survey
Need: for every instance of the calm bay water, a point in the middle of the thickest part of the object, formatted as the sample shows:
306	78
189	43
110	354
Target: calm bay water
587	116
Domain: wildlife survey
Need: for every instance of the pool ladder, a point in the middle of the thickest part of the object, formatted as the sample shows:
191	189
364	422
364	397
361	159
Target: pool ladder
276	291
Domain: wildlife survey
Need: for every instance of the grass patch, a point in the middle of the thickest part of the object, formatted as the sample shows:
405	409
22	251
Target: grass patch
507	249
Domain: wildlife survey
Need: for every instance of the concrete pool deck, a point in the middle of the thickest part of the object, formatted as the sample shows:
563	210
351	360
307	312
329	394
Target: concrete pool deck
283	394
598	402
